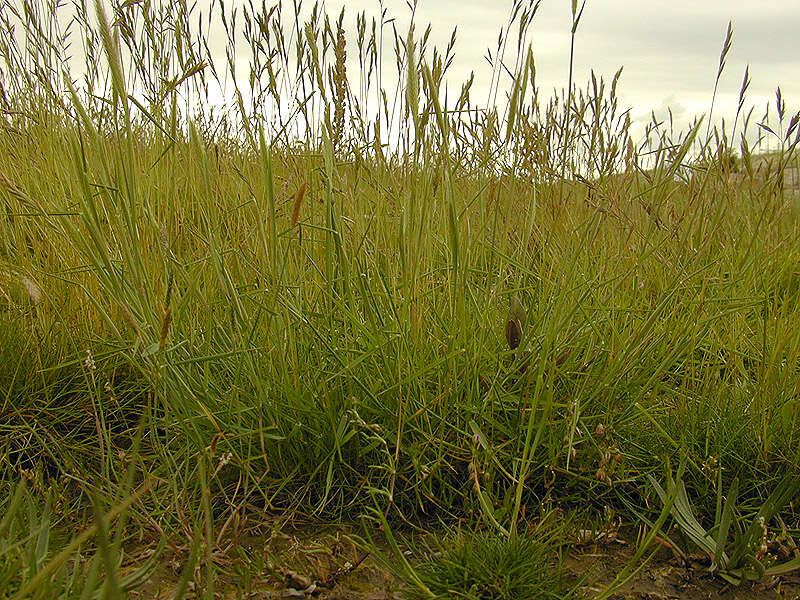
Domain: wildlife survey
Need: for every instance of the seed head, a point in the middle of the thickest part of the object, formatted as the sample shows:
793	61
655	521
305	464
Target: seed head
515	325
34	291
89	361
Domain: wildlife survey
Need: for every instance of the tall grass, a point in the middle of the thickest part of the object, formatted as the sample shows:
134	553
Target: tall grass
302	292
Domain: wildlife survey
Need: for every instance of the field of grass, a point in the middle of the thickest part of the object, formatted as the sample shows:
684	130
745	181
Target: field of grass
514	328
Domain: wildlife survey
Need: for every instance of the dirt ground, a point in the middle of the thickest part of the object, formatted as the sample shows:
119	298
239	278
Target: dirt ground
666	578
329	566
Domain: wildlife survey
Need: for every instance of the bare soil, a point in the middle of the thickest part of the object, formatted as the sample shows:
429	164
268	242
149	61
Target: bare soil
666	578
327	565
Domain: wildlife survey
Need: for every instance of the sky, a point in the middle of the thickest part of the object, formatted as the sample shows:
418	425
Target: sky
669	51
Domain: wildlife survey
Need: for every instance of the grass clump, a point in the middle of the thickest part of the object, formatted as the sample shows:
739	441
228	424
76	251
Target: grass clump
488	566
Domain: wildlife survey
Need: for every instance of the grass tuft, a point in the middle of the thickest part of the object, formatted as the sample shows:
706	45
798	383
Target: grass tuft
481	566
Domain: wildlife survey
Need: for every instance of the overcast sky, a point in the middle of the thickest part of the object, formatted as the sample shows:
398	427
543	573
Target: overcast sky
669	49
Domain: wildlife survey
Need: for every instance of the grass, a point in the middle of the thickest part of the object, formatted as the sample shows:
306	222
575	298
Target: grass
302	296
491	567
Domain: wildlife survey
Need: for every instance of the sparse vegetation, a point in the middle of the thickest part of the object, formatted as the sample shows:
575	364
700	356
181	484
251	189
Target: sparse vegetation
275	289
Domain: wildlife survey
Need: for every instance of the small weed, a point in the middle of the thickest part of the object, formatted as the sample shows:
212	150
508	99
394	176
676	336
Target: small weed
739	549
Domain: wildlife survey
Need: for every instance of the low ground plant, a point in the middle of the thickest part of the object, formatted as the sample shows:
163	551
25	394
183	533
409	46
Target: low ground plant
739	549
